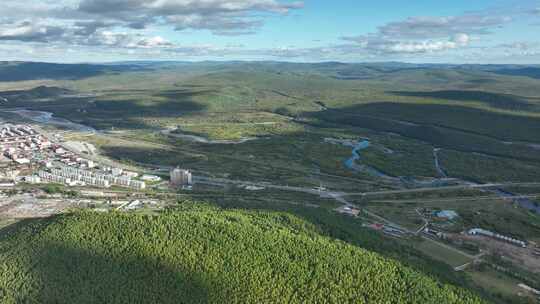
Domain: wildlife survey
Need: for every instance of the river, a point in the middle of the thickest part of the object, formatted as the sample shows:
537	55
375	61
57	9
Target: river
174	132
351	162
364	144
49	119
523	202
438	167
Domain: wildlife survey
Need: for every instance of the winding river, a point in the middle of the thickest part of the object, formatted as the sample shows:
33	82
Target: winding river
438	166
364	144
174	132
48	118
351	162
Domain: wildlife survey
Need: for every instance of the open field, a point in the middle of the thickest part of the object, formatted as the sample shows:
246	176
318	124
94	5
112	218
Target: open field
441	253
502	286
4	222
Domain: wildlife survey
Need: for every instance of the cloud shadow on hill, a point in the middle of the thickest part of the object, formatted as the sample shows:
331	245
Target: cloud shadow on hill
107	113
22	71
55	273
495	100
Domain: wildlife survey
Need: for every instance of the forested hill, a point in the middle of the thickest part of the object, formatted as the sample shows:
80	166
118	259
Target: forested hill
200	255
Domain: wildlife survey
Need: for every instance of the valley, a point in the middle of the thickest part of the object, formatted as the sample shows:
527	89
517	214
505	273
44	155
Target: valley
370	162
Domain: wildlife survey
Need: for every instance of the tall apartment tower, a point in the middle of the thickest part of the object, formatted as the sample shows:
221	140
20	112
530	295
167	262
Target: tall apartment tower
181	177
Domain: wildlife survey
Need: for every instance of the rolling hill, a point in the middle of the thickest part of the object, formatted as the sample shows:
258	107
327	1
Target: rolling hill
200	255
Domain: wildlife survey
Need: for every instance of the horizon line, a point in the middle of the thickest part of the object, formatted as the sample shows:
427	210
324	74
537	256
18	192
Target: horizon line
263	61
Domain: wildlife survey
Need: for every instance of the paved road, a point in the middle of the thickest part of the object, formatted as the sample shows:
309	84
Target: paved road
458	199
429	189
340	195
268	185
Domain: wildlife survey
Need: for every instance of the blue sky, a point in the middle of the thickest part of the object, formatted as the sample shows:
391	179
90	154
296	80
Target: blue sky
457	31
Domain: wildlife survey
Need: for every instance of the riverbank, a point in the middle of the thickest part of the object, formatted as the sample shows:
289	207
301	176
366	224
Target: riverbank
175	132
352	162
48	118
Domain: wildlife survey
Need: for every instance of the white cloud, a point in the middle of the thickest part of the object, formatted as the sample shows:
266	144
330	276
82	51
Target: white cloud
153	42
417	35
377	45
439	27
420	47
125	40
461	39
218	16
28	31
85	17
137	27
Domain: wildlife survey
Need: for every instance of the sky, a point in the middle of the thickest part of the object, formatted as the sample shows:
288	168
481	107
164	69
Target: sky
418	31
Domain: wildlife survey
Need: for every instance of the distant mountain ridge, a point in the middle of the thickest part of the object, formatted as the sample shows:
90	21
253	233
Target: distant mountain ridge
19	71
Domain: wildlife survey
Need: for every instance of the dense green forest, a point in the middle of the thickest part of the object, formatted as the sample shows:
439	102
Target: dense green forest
200	255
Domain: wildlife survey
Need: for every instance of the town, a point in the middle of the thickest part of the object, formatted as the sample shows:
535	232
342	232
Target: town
29	156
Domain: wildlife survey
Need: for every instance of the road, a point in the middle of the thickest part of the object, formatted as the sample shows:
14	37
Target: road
459	199
443	188
340	195
426	222
329	194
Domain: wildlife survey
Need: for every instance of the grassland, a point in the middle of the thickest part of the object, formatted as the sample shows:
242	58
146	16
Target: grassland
438	252
4	222
505	288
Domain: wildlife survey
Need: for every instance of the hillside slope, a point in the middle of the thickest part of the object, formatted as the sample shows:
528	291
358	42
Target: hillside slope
200	256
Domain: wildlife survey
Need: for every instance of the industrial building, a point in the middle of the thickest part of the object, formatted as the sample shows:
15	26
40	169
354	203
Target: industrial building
479	231
447	214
